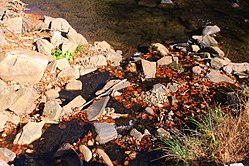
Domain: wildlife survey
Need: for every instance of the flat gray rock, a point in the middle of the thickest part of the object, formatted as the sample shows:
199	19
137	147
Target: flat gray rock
23	66
95	110
149	68
106	132
77	102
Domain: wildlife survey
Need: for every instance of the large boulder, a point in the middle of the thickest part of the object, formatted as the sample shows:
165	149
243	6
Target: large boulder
23	66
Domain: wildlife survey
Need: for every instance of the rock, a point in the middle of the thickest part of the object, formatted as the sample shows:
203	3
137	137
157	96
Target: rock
160	88
56	39
23	66
77	102
7	116
106	132
86	152
98	60
23	102
68	46
66	155
58	24
44	46
103	46
3	121
206	41
173	87
175	59
84	71
105	157
6	98
149	3
195	48
236	68
3	163
113	57
7	155
74	85
210	30
52	94
136	134
197	70
71	73
161	48
48	20
60	64
149	110
166	2
163	133
216	77
76	38
166	60
2	39
14	25
95	110
218	51
52	110
218	63
29	133
149	68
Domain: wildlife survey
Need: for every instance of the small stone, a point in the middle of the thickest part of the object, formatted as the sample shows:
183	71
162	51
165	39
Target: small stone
105	157
74	85
160	88
149	110
149	68
173	87
52	110
195	48
90	143
161	48
7	155
113	57
106	132
166	60
86	152
197	70
52	94
29	133
72	73
77	102
136	134
44	46
29	151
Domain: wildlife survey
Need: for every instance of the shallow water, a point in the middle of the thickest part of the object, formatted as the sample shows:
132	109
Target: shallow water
127	26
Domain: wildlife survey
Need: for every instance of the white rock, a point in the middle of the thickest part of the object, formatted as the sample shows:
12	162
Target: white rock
2	39
44	46
29	133
77	102
209	30
218	51
23	66
86	152
206	41
113	57
70	73
3	121
3	163
56	39
161	48
195	48
218	63
14	24
163	133
59	24
105	157
166	60
76	38
149	68
68	46
74	85
106	132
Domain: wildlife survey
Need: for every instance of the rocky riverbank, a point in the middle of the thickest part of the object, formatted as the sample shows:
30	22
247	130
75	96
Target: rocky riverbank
64	100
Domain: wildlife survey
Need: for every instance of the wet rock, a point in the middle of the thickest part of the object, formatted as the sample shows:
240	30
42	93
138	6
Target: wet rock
218	51
52	110
197	70
86	152
98	60
216	77
44	46
29	133
161	48
163	133
149	68
66	155
23	102
58	24
84	71
74	85
52	94
14	25
166	60
148	3
136	134
7	155
218	63
106	132
149	110
209	30
71	73
56	38
77	102
95	110
76	38
104	156
23	66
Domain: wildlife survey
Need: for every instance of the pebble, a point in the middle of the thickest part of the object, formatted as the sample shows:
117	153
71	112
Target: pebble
86	152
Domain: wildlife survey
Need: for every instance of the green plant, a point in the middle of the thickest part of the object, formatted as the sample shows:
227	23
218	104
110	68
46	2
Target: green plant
58	54
80	49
